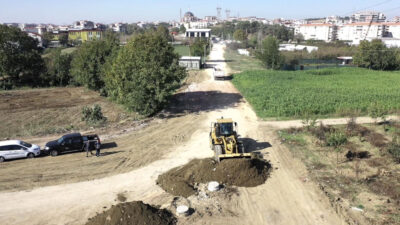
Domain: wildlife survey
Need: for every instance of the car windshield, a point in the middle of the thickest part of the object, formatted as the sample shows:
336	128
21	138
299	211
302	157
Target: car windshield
226	128
59	141
26	144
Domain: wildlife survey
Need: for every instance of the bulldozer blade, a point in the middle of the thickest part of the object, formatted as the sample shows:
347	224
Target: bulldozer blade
234	155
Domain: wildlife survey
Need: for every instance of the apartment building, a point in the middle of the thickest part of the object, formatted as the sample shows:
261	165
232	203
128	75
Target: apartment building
392	30
323	31
356	32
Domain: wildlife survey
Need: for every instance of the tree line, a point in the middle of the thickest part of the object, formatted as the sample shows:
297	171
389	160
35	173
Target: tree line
141	75
369	54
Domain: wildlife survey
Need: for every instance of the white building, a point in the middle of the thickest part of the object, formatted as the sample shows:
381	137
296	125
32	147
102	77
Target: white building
367	17
292	47
193	33
324	32
392	30
119	27
197	24
357	32
83	24
190	62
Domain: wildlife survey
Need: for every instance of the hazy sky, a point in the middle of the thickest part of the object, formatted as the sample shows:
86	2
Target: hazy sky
106	11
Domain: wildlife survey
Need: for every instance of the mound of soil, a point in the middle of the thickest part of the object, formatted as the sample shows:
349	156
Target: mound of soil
242	172
133	213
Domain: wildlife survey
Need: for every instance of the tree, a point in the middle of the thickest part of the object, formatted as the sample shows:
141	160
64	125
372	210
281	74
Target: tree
20	61
63	39
47	37
88	63
336	140
144	74
375	55
240	35
182	29
198	47
58	67
298	38
269	53
164	32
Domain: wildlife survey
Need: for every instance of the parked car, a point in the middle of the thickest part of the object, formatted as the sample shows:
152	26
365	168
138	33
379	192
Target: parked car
14	149
70	143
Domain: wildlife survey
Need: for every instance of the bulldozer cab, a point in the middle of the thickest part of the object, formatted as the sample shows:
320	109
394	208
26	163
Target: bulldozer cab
225	141
225	128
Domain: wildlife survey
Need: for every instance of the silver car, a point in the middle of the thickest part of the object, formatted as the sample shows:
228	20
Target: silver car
14	149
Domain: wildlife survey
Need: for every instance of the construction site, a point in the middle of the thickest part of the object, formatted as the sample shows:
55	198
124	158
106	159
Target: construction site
205	159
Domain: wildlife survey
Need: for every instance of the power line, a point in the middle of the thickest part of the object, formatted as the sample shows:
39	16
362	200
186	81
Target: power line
392	9
368	7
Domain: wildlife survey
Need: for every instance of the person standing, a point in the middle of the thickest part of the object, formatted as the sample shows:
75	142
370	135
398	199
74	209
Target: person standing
87	146
98	148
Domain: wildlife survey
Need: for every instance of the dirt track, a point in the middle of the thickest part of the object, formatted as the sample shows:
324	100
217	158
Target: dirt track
286	198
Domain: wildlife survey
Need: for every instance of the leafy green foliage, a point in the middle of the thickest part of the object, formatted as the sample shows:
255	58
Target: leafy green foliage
93	116
20	61
63	38
144	74
240	35
89	60
198	47
182	29
46	38
269	54
336	139
226	30
375	55
375	110
340	92
58	68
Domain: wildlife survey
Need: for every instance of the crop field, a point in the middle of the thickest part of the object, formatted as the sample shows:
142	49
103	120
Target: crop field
325	92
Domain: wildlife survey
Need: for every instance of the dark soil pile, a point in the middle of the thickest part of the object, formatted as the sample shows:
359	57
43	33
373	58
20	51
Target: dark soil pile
133	213
242	172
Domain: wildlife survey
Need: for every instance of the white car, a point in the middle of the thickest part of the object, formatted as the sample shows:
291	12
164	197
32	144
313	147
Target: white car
15	149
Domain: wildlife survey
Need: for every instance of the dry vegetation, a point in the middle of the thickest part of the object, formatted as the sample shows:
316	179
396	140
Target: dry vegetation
367	174
38	112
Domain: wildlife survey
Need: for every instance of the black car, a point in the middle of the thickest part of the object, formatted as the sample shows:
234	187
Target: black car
70	143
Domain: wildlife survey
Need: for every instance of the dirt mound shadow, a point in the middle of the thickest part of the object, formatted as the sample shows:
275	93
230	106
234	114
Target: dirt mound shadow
133	213
181	181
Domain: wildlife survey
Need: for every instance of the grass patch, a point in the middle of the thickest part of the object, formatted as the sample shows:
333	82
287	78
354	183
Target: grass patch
182	50
240	63
327	92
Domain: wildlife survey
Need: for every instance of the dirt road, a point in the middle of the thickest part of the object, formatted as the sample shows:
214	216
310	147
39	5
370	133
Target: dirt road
286	197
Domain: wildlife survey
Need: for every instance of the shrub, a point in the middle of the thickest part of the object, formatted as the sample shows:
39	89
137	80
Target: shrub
376	111
336	139
394	148
93	116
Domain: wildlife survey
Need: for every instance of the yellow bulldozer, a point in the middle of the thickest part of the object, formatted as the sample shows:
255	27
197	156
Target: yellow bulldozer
224	140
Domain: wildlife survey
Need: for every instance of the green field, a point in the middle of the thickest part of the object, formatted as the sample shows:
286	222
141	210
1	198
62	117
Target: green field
239	63
182	50
325	92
